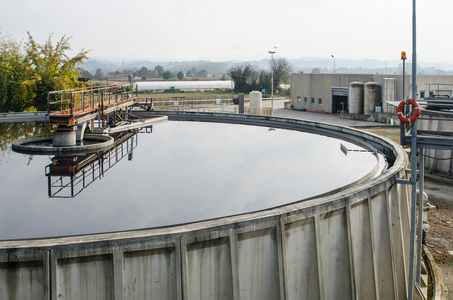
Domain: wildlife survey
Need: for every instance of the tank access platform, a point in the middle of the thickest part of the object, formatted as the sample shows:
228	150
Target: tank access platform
104	109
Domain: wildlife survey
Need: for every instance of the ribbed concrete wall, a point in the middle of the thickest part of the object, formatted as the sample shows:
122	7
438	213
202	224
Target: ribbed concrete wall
352	244
437	161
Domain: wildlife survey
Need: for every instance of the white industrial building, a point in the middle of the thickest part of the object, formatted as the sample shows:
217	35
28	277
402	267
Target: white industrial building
182	85
361	93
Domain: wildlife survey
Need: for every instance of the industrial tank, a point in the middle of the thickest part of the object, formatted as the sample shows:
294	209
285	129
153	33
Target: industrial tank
372	97
256	102
389	93
356	90
437	161
344	244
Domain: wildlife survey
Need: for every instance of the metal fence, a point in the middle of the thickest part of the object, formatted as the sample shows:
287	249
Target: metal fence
223	104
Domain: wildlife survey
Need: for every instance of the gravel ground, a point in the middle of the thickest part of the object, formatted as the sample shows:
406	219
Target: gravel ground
439	238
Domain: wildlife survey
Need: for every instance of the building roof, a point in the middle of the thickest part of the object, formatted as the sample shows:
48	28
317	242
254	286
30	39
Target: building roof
85	76
184	85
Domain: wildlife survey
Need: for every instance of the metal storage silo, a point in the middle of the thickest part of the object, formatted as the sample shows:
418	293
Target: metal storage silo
389	93
356	97
255	102
372	97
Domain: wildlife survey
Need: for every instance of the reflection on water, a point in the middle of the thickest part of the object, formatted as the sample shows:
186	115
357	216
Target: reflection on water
69	175
13	131
181	172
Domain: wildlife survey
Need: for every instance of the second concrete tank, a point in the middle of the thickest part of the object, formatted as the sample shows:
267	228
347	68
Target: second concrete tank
356	97
389	93
255	103
372	97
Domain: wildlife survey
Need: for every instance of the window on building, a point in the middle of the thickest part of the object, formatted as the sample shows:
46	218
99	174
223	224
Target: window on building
305	100
422	94
312	100
298	99
320	101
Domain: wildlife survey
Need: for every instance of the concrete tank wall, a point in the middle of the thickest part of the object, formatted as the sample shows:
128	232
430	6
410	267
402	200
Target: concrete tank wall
372	97
353	243
437	161
356	94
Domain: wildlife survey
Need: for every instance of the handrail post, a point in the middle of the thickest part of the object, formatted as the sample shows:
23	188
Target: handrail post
48	103
72	104
83	100
102	107
109	94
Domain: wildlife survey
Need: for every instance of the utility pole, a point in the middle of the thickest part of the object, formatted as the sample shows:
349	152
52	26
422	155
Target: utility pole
272	78
333	63
413	157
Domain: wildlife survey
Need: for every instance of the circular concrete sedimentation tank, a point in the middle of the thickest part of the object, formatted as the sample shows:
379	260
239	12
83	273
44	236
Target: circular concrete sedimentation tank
356	93
349	243
372	97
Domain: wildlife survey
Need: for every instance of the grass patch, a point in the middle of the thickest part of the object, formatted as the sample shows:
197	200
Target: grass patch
390	133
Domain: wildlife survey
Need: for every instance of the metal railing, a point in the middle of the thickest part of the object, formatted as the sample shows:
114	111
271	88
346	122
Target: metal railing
86	100
215	103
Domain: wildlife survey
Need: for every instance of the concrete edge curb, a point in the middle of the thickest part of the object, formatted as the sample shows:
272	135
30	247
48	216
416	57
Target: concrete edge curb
435	273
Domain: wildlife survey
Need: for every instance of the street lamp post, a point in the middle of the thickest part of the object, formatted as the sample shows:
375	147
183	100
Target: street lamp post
402	126
272	79
333	62
403	58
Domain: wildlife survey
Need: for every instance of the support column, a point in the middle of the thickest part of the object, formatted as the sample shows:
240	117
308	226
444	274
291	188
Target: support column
81	130
64	136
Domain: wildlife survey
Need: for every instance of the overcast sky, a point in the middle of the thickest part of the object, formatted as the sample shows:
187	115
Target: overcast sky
237	29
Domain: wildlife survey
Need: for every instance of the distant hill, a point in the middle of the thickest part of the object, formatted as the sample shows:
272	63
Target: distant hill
306	65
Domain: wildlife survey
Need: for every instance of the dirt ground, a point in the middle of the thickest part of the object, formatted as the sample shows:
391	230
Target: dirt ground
439	238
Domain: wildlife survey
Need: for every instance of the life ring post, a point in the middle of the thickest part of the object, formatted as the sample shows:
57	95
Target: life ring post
416	111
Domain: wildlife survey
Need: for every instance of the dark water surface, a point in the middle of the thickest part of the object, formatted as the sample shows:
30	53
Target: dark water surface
181	172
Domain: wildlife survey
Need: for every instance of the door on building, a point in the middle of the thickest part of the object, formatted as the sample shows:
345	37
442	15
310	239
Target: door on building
339	99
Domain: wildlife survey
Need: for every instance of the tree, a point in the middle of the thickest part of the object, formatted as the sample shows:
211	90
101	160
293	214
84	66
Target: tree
167	75
159	70
192	72
180	75
316	71
15	77
202	73
143	72
3	91
282	70
265	81
244	77
99	75
52	68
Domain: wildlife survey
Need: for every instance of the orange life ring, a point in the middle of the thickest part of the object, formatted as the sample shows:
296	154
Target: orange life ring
415	115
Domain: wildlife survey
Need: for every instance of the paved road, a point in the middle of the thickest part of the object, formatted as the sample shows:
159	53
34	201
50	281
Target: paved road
321	117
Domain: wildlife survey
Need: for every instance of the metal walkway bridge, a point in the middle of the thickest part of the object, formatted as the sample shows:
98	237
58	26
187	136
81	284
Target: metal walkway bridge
75	106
